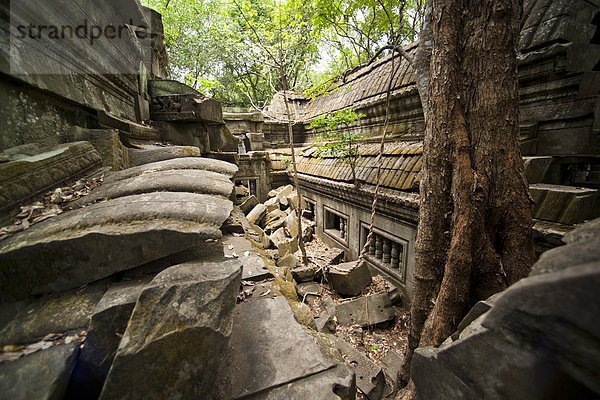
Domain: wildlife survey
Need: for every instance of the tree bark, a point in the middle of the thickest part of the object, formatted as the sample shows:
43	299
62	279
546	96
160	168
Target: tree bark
474	237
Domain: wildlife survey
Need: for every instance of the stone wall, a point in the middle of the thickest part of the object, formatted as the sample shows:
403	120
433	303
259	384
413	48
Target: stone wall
48	86
396	219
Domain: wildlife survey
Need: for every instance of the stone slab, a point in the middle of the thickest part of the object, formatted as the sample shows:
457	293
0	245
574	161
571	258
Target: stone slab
268	349
337	383
588	231
107	326
564	204
149	154
178	331
536	168
391	364
32	175
349	278
132	129
106	142
41	375
253	266
184	180
368	310
560	258
370	378
53	314
306	273
91	243
200	163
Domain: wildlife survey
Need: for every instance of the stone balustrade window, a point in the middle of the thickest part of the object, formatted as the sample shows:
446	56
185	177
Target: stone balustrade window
336	225
386	251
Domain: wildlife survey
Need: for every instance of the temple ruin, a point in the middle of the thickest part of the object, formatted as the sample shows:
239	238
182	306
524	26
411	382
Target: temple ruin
149	246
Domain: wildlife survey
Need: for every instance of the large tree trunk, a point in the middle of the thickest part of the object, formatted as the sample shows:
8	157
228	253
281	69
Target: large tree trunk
474	237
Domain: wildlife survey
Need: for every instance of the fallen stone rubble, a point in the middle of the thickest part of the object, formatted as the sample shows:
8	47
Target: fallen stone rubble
331	299
130	298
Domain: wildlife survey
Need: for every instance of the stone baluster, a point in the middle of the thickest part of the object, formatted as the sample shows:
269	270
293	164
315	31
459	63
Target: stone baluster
387	247
342	228
395	256
372	245
378	247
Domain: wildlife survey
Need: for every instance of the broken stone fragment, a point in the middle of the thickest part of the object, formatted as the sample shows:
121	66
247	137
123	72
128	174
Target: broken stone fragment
308	228
370	378
41	375
91	243
106	142
288	261
249	204
272	204
254	268
368	310
306	273
177	333
325	323
234	223
273	220
291	225
349	278
391	364
289	246
107	326
293	201
259	236
256	215
283	243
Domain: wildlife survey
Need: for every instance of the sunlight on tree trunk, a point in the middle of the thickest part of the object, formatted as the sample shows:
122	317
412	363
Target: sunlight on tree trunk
474	237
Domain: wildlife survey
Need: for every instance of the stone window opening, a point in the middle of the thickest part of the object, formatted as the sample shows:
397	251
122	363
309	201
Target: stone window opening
245	188
336	225
386	251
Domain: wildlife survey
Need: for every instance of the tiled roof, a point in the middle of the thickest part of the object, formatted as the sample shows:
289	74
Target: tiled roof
401	164
363	85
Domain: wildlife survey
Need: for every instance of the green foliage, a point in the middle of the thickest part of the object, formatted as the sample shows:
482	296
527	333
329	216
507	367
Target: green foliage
352	32
335	141
331	122
227	49
232	50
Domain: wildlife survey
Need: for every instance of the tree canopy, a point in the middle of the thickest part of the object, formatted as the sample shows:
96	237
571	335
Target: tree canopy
230	49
